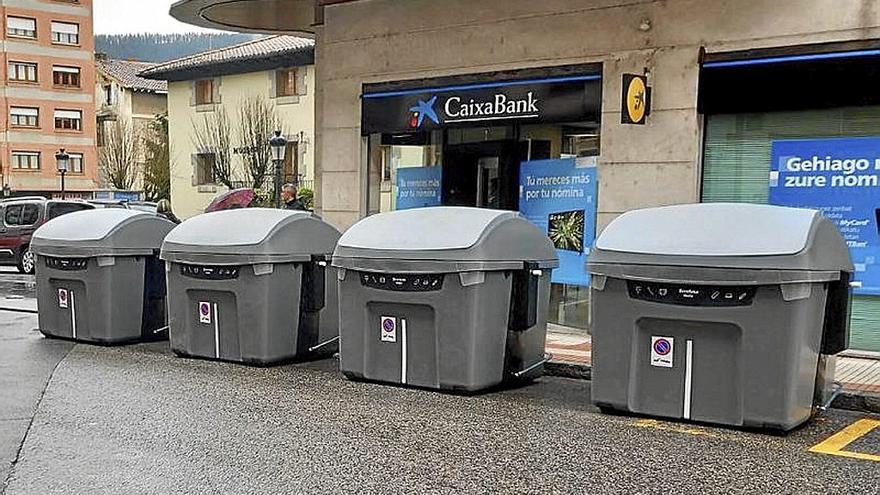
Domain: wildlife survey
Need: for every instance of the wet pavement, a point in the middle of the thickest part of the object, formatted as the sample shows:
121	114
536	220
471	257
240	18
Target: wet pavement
26	363
17	291
137	420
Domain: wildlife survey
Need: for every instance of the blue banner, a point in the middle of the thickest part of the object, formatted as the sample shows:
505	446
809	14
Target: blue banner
418	187
559	196
841	178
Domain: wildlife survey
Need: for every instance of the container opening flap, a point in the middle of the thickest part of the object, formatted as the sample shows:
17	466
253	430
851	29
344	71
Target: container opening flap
710	229
422	229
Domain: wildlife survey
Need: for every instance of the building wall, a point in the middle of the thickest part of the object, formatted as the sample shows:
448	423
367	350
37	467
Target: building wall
296	115
43	95
137	107
639	166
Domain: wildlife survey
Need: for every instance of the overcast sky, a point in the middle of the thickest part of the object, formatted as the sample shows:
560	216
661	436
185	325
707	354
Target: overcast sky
137	16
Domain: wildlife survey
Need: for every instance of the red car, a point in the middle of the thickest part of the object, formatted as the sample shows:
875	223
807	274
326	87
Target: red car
20	217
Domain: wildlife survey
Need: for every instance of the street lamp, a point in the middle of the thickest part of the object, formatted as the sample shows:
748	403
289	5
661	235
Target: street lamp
279	147
62	159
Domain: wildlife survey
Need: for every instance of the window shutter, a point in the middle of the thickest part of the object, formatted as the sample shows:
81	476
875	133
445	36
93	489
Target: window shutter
301	88
273	84
218	97
21	23
64	27
194	161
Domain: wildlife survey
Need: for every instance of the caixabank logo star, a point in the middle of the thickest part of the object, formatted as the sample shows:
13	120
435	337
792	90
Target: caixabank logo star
423	109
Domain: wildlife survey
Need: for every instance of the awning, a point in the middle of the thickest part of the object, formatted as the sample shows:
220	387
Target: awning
791	78
250	16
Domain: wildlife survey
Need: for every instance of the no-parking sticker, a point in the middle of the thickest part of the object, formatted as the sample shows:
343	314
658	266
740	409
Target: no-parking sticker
389	328
62	298
661	351
205	312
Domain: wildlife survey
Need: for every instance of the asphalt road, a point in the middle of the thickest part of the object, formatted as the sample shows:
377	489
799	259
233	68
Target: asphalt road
138	420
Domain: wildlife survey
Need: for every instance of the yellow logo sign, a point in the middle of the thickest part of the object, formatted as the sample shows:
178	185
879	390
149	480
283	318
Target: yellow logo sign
636	100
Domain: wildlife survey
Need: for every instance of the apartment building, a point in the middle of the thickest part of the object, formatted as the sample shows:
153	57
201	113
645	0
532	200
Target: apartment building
47	97
214	93
126	104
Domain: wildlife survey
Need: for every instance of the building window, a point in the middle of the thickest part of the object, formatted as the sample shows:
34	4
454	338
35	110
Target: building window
65	33
291	163
204	169
204	92
21	27
68	120
65	76
108	94
285	82
22	72
26	160
24	116
75	166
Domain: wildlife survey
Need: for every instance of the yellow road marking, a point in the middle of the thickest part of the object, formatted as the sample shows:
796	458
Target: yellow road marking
657	425
835	444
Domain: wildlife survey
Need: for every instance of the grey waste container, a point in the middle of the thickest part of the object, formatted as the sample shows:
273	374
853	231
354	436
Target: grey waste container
99	278
449	298
718	313
252	286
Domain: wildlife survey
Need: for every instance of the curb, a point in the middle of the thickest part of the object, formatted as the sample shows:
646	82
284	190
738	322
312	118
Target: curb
19	310
853	401
849	400
568	370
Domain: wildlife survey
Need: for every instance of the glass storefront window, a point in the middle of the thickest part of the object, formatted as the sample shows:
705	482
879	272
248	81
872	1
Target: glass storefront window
396	157
476	166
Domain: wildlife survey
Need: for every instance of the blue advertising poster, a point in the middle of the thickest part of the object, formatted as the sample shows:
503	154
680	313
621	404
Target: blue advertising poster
418	187
559	196
841	178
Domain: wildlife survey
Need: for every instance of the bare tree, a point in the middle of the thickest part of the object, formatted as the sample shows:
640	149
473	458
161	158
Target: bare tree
157	152
258	121
213	134
119	155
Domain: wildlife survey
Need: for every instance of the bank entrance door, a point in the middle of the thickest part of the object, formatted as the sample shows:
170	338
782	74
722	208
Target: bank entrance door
483	174
488	186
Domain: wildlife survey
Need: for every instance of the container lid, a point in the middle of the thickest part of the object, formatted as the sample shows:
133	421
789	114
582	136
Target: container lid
248	236
101	232
724	235
444	239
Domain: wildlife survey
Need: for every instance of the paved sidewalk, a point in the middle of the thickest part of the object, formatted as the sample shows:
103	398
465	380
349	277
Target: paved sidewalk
858	375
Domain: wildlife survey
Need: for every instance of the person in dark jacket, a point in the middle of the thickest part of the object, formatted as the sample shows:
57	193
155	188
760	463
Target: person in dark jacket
288	197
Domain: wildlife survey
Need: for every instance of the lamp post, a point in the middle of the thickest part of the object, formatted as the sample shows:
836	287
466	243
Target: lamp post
279	147
62	159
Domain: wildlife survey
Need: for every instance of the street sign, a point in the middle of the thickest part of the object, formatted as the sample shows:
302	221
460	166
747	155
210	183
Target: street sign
661	351
205	312
636	99
389	329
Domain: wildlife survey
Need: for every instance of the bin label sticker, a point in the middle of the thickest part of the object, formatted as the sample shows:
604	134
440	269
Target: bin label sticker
661	351
62	298
389	328
205	312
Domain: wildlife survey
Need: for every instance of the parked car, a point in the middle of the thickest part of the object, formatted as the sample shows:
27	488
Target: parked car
107	203
147	206
20	218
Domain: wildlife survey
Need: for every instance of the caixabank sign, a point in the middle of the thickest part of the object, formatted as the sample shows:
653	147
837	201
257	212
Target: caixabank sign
545	100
